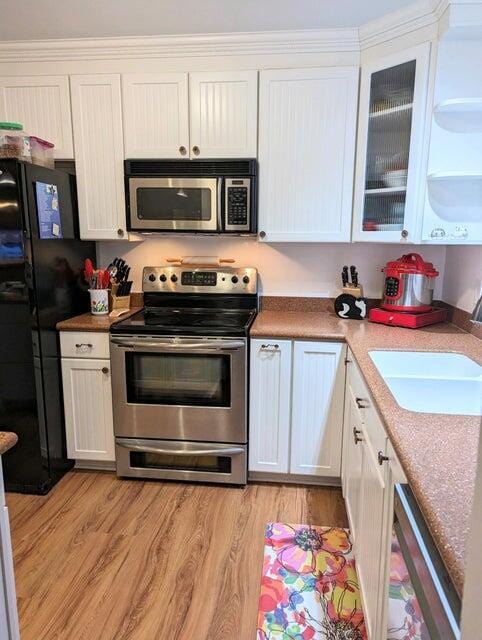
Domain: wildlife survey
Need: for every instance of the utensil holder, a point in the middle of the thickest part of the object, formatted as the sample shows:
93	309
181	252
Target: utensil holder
99	302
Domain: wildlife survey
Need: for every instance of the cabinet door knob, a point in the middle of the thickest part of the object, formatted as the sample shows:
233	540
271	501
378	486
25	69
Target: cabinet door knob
382	458
196	150
120	232
182	151
105	369
404	233
362	403
273	347
79	345
262	234
356	432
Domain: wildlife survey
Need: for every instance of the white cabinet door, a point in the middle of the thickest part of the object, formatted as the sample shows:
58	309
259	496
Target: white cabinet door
307	128
391	144
317	416
99	155
224	114
353	460
156	115
88	409
371	538
270	405
42	105
8	601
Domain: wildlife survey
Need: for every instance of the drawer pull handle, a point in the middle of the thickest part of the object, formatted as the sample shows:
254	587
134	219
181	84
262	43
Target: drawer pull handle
79	345
361	403
382	458
355	435
270	347
105	369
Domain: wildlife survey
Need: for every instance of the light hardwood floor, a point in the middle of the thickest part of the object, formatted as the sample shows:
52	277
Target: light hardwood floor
101	558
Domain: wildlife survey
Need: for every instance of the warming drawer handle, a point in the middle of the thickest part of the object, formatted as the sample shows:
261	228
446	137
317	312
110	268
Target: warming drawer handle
228	451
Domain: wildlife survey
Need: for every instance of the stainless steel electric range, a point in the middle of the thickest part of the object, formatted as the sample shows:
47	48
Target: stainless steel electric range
179	376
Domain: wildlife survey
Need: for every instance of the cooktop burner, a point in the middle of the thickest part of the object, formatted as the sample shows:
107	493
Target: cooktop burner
197	301
187	321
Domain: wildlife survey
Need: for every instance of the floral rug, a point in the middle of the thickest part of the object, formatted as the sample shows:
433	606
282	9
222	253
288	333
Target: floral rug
309	587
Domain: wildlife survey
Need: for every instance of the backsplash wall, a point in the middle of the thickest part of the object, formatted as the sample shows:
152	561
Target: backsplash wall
285	269
463	277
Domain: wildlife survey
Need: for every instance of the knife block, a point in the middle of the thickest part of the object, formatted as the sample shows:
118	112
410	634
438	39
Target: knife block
356	292
119	302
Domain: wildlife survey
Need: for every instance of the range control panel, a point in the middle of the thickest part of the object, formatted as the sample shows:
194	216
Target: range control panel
237	199
192	279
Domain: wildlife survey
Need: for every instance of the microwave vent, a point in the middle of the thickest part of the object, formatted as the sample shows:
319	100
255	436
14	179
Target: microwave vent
202	168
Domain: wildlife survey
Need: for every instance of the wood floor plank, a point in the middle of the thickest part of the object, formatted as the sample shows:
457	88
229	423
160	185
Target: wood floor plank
101	558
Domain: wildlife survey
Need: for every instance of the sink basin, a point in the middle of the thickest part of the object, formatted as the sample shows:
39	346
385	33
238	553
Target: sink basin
432	382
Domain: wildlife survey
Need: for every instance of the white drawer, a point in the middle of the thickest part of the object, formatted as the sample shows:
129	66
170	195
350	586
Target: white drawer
84	344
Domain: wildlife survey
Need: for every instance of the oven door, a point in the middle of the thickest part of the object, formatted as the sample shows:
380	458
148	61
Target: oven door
171	460
179	388
173	204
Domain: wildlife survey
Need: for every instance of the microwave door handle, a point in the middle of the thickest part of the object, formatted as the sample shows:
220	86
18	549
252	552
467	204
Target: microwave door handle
220	208
226	451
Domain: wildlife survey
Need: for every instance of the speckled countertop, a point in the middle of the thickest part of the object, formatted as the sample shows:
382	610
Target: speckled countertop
89	322
438	452
7	441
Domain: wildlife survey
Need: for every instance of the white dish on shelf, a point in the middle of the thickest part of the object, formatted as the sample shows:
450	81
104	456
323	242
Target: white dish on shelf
395	179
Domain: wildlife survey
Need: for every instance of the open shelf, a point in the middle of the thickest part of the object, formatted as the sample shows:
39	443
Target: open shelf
460	115
456	196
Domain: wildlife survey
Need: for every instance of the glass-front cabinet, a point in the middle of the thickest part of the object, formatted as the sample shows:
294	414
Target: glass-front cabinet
393	103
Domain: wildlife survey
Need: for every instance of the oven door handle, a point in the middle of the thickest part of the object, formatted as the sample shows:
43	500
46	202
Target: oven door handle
179	346
227	451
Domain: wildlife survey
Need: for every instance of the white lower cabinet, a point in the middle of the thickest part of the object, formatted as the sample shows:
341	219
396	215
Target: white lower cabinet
9	627
370	470
296	407
270	405
88	407
317	416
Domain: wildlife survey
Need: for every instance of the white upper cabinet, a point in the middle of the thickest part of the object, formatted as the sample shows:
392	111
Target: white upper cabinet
224	113
197	115
307	131
270	405
99	155
42	105
156	115
391	145
317	417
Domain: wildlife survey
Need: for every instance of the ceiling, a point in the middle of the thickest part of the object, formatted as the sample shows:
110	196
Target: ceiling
48	19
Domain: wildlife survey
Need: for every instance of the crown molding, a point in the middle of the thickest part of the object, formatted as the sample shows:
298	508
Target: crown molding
262	42
398	23
421	14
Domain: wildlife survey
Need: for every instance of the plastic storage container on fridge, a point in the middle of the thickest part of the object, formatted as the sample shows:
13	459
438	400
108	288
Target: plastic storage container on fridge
14	141
42	152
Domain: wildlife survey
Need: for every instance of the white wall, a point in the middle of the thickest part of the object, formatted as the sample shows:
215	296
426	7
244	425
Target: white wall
285	269
463	276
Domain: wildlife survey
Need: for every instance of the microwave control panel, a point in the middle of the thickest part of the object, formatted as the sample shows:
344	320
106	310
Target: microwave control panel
237	204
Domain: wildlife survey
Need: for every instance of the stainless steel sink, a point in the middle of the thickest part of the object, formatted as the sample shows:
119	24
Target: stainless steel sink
425	382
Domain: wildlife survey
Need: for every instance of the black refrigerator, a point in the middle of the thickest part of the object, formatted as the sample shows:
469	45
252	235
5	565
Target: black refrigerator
41	283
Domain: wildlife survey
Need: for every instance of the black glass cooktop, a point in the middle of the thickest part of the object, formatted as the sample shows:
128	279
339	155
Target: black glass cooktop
187	321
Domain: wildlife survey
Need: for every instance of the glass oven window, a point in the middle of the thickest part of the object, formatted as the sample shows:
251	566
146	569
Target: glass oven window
174	203
178	379
209	463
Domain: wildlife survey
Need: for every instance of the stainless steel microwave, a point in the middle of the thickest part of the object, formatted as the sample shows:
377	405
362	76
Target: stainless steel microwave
191	196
